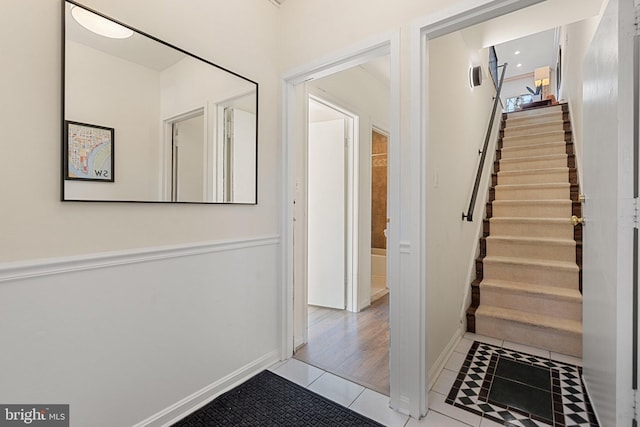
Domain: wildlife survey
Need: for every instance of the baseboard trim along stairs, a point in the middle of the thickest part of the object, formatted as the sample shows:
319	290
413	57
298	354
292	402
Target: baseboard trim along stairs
528	285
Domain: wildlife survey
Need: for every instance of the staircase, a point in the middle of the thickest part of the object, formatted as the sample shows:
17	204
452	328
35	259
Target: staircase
528	275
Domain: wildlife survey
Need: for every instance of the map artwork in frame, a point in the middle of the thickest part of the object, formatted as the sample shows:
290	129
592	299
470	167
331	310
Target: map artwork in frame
89	152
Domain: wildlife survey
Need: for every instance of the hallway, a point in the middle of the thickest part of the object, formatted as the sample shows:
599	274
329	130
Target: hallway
354	346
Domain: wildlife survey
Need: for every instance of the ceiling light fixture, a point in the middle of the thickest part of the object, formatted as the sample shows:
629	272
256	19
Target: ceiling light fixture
519	65
99	25
517	52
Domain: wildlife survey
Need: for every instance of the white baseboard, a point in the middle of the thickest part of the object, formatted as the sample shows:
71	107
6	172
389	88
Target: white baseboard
437	367
179	410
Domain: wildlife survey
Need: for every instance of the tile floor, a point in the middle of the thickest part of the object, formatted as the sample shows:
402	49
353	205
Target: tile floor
376	406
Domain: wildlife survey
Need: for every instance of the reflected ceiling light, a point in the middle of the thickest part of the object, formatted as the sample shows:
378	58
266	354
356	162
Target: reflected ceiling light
99	25
519	65
517	52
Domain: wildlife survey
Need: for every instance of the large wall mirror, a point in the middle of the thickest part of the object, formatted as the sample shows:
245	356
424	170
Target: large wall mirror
145	121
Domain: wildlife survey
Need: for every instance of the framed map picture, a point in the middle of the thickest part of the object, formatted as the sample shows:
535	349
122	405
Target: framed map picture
88	152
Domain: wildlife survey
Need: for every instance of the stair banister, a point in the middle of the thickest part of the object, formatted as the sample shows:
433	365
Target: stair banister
474	195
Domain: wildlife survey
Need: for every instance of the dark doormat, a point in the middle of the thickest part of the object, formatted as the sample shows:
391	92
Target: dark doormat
270	400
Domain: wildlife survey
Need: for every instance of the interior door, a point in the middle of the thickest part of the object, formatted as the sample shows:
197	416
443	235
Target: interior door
241	131
188	159
608	117
326	214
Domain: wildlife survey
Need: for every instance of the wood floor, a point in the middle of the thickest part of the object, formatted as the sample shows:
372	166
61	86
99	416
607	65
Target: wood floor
354	346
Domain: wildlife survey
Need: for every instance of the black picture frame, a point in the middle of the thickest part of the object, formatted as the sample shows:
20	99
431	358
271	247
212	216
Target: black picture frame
97	165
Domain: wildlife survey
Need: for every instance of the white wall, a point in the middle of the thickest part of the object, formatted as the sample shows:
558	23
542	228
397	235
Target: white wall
121	340
190	83
102	81
575	39
458	121
38	225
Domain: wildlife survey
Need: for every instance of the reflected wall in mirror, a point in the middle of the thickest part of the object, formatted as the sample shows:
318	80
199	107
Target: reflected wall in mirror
186	129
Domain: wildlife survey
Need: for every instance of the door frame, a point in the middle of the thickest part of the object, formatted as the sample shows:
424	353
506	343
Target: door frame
167	161
386	44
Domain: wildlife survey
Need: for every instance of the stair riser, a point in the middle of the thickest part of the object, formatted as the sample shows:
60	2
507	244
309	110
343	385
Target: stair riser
534	150
531	211
517	229
529	129
532	139
534	112
532	250
532	303
526	193
548	339
534	178
533	274
528	164
533	120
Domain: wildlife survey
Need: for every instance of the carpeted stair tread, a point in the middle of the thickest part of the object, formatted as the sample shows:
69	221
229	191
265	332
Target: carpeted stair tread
531	158
515	149
535	185
531	128
533	112
532	120
532	171
526	288
532	319
526	220
547	264
534	240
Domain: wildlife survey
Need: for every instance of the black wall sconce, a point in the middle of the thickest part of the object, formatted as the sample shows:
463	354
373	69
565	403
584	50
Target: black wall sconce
475	76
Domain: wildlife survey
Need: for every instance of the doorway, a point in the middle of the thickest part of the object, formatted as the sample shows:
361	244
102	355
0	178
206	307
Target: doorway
379	188
334	195
187	151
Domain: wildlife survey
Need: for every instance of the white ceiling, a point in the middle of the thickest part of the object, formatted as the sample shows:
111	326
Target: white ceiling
137	48
536	50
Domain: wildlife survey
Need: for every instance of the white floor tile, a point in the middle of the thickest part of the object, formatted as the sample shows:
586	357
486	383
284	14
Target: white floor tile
337	389
484	339
526	349
464	346
298	372
488	423
444	382
437	404
276	365
435	419
376	406
455	361
566	359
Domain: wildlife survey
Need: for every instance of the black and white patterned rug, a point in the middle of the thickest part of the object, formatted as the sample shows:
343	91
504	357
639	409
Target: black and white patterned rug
270	400
521	390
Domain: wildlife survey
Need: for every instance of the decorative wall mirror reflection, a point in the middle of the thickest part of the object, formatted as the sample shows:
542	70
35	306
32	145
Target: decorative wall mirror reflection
145	121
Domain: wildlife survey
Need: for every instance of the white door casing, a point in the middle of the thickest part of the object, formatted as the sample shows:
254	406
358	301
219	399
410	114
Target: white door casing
608	212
